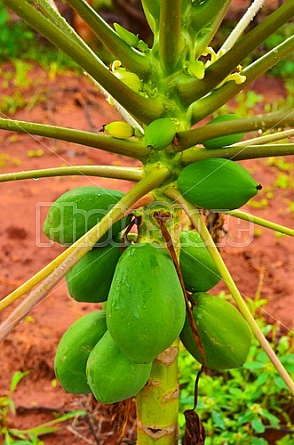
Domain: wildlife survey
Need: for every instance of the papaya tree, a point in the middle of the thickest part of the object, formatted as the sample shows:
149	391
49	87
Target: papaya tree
156	269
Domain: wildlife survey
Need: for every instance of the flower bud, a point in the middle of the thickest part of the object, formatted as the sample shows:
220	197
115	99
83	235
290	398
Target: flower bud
119	129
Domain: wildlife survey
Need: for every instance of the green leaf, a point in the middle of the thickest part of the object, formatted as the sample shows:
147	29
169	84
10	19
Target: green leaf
259	441
257	425
262	378
17	377
253	365
248	416
274	421
218	419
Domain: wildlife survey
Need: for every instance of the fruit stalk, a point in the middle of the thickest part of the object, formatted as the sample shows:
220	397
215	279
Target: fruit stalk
262	122
158	402
103	171
131	148
133	60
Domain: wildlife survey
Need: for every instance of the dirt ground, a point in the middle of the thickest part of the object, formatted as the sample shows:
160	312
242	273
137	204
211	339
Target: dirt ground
261	262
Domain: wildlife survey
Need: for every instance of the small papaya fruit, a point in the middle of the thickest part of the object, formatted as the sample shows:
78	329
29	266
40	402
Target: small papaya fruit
78	210
224	333
119	129
74	349
197	266
223	141
145	307
90	279
160	133
217	184
112	376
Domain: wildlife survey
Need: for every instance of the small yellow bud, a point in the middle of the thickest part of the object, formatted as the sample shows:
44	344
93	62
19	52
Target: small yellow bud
197	69
119	129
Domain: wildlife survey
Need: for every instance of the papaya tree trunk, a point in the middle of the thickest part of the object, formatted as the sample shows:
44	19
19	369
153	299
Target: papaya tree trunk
158	402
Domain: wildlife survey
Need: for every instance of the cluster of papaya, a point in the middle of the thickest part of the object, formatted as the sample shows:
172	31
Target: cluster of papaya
110	352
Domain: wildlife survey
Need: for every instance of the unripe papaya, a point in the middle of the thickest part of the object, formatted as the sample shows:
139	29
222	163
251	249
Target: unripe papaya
224	333
112	376
217	184
90	279
146	307
160	133
197	266
222	141
74	349
78	210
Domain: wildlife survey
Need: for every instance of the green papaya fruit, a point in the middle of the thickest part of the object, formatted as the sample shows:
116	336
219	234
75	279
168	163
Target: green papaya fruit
112	376
78	210
90	279
224	333
217	184
145	307
223	141
197	266
74	349
160	133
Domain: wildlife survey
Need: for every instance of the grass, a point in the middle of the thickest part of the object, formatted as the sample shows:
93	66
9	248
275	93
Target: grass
30	436
240	405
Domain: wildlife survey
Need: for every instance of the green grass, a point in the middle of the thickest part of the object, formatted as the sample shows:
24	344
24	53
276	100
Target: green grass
18	41
31	436
238	405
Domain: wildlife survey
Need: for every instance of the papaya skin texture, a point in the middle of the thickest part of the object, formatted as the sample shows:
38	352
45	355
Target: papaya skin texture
160	133
146	307
78	210
74	349
90	279
112	376
217	184
225	335
197	266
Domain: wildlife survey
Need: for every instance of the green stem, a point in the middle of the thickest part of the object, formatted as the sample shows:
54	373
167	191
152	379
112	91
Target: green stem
218	97
267	138
203	40
192	90
158	402
198	223
126	147
203	14
144	109
104	171
238	153
188	138
261	222
170	37
152	13
55	271
131	59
